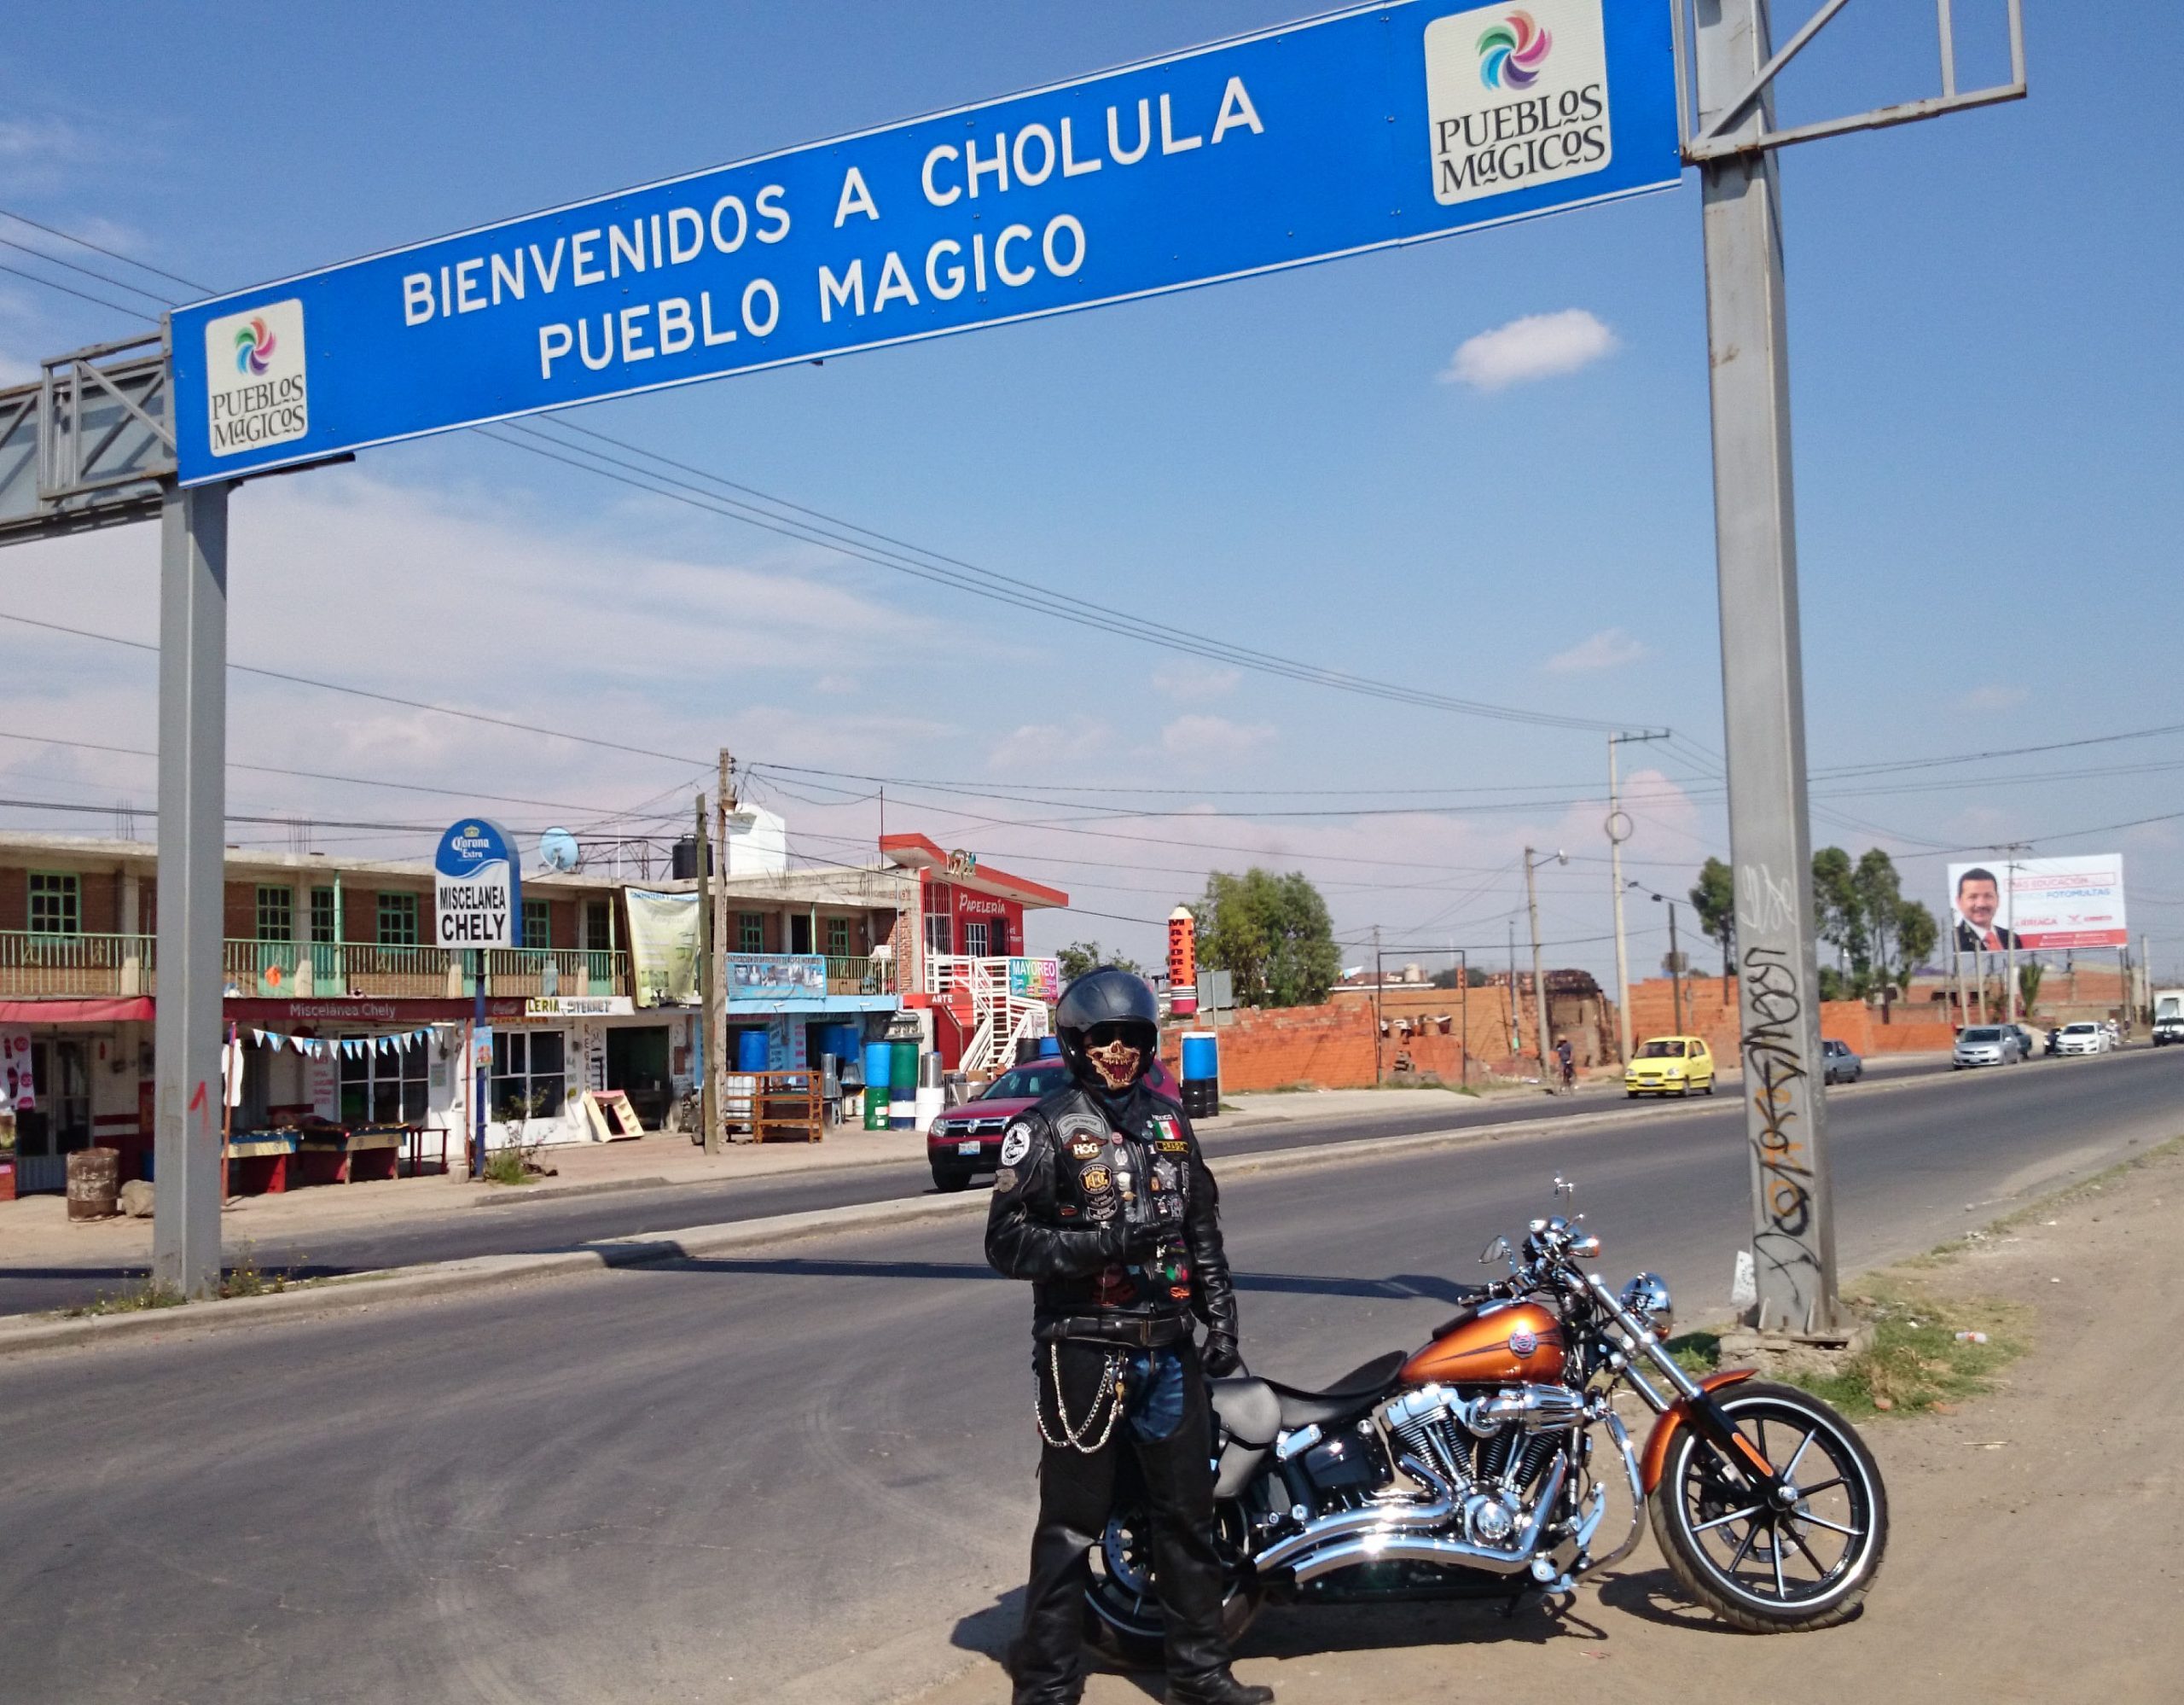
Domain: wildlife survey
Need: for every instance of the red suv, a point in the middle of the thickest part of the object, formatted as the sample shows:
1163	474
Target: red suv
965	1140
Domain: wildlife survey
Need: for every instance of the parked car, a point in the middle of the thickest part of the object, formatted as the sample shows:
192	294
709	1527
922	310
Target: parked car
2027	1044
965	1140
2167	1028
1669	1065
1838	1065
1987	1044
2085	1037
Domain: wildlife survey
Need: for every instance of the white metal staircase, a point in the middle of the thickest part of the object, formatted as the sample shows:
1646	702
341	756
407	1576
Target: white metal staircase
999	1019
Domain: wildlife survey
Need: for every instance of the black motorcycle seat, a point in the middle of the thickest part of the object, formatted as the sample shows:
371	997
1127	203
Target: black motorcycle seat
1249	1409
1353	1391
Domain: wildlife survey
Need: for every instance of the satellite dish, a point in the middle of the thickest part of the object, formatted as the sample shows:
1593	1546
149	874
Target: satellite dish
558	850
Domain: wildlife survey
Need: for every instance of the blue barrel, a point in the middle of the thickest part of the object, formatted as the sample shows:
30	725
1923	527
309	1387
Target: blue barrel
877	1056
750	1050
841	1040
1049	1047
1201	1073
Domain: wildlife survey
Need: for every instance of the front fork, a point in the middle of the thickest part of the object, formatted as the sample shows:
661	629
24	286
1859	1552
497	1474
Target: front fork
1694	1405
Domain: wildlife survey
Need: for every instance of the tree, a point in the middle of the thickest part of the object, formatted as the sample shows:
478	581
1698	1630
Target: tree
2029	977
1714	899
1448	979
1080	956
1271	934
1916	933
1835	905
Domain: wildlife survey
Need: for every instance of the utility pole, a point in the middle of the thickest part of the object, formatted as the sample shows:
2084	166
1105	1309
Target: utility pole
1379	976
708	1042
1516	1015
2009	892
1618	831
717	1004
1539	980
1676	967
1762	680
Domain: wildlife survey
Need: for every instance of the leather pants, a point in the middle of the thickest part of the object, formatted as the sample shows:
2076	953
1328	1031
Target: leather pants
1076	1498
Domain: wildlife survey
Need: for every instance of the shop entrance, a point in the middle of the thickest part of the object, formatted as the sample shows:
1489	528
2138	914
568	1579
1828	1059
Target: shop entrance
637	1064
61	1123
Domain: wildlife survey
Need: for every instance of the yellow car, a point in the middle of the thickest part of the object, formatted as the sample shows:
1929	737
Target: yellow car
1669	1065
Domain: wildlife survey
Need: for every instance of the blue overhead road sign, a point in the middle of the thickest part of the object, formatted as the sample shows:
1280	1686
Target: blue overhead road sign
1359	130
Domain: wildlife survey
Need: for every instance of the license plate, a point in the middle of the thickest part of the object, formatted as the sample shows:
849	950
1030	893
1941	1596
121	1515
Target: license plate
966	1148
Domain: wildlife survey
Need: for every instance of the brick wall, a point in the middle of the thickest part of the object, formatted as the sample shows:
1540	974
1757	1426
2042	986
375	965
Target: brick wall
1326	1047
1652	1013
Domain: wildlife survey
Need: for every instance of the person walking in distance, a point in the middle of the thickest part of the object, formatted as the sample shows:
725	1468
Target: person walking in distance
1104	1202
1567	1061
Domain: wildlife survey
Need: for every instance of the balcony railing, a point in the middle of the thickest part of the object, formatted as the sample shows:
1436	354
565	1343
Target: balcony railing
857	974
80	965
555	971
34	965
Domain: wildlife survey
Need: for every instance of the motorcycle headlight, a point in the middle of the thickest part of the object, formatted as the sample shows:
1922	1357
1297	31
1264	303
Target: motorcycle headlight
1648	1297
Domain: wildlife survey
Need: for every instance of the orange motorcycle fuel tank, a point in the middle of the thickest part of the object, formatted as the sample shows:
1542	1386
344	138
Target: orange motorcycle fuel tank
1518	1343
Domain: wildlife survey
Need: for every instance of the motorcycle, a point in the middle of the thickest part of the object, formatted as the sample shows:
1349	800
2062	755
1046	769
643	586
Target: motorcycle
1479	1467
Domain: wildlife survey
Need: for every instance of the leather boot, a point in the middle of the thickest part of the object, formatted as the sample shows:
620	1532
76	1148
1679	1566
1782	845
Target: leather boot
1217	1687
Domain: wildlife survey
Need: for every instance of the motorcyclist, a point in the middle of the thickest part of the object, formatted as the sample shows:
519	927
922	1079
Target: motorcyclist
1567	1061
1104	1202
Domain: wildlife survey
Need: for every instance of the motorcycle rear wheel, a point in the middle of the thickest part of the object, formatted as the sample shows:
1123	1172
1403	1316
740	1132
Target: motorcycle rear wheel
1768	1571
1123	1616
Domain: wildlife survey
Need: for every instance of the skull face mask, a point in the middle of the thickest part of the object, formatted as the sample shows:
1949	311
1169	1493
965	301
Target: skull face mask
1116	1062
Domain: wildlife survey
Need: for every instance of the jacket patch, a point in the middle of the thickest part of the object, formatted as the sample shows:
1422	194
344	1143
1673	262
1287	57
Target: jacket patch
1172	1147
1005	1178
1086	1148
1015	1143
1097	1180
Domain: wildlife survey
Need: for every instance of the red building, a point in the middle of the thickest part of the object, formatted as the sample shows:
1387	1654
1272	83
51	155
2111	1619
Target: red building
970	926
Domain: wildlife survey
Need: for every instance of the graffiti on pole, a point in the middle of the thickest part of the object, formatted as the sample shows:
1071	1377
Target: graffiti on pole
1780	1088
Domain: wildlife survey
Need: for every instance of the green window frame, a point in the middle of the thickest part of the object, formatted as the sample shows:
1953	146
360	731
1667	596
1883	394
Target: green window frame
397	920
838	938
537	924
325	917
598	926
750	932
276	913
56	902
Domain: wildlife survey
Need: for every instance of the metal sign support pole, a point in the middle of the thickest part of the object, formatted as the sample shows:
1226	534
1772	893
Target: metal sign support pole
1615	838
192	806
1763	688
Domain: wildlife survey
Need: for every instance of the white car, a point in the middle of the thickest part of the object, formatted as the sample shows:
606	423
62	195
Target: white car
2082	1038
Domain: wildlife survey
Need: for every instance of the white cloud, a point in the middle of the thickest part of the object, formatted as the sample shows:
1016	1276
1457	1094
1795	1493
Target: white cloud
1536	346
1046	746
1610	648
1213	736
1193	683
1985	701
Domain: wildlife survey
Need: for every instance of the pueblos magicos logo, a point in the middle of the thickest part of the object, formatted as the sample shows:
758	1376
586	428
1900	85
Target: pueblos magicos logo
1511	52
257	391
254	346
1516	98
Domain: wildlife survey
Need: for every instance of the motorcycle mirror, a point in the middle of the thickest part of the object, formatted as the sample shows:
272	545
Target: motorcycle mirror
1563	1186
1498	1250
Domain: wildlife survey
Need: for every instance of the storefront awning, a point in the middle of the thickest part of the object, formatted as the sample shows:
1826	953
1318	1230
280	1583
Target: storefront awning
126	1008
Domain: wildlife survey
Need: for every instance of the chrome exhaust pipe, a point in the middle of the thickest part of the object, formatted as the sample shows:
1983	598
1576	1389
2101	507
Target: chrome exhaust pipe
1387	1518
1399	1544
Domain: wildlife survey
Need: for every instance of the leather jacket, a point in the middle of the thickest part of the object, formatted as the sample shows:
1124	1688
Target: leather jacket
1077	1173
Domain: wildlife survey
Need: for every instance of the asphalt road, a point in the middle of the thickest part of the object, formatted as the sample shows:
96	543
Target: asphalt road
805	1474
511	1225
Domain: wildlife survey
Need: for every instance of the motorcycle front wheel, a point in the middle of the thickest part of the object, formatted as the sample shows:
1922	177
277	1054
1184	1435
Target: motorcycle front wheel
1760	1567
1122	1607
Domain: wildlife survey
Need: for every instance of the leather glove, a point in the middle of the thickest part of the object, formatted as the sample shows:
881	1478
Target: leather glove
1131	1241
1220	1357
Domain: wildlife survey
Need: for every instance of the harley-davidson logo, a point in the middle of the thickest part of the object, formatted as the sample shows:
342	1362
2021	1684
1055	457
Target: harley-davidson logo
1097	1180
1522	1342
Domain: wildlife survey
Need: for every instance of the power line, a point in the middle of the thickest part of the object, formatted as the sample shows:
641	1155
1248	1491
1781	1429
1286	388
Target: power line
81	295
111	254
88	272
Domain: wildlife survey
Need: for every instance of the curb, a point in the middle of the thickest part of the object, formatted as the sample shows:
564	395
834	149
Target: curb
448	1278
562	1192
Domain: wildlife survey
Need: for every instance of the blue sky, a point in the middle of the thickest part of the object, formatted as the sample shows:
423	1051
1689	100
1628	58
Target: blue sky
1985	361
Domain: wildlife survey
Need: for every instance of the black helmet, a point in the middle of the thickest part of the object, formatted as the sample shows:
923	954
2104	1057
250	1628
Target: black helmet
1107	996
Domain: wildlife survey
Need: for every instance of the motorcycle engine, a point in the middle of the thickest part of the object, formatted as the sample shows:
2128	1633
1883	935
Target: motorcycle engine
1490	1447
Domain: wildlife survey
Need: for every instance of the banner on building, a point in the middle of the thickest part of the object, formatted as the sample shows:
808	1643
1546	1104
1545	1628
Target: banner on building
1035	980
15	1064
776	976
664	947
2038	902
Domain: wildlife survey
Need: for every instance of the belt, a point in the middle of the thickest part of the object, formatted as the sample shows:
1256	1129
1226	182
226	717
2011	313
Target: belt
1149	1332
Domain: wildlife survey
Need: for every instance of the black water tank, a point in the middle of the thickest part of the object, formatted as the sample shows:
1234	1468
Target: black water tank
683	861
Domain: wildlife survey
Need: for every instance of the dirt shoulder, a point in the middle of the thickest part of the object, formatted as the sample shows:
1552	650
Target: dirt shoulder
2038	1533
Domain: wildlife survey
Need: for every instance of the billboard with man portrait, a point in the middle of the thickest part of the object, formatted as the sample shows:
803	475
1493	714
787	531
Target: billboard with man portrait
2036	903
